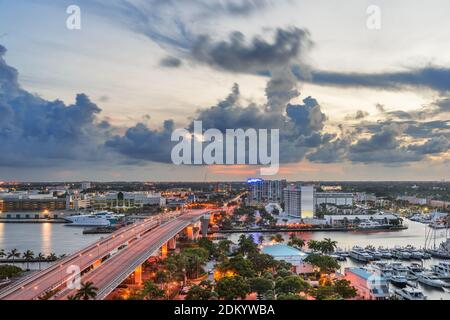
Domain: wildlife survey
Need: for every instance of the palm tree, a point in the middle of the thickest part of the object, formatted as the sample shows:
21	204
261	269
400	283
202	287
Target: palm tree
87	291
74	297
52	257
40	257
13	254
314	245
2	253
328	246
28	256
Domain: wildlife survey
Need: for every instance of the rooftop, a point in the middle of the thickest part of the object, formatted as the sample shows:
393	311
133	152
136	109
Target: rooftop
282	250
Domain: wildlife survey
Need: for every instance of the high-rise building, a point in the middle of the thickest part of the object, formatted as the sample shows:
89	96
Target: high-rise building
299	201
264	191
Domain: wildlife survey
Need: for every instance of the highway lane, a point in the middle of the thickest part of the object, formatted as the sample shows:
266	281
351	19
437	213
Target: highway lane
114	271
38	283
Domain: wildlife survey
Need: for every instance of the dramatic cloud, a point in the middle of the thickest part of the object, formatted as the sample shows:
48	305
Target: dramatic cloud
431	77
142	143
34	131
259	55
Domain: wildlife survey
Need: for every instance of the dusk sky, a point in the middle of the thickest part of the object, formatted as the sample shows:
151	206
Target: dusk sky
100	103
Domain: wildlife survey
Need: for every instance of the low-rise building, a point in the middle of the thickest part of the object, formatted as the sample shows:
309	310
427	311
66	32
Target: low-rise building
289	254
370	286
335	198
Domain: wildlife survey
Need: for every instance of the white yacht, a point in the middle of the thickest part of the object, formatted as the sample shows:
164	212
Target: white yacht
360	255
410	294
432	281
442	270
96	219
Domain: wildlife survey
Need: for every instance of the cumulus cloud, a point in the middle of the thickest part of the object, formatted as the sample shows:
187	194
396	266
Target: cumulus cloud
258	55
34	131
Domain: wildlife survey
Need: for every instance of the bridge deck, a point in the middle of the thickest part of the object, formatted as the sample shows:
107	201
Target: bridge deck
114	270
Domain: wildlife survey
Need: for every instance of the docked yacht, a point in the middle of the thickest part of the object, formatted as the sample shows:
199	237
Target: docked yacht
96	219
415	269
381	268
442	270
360	255
401	254
432	281
410	294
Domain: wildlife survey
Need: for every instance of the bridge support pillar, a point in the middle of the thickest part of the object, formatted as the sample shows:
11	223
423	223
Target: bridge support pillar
205	225
164	251
190	232
172	244
138	275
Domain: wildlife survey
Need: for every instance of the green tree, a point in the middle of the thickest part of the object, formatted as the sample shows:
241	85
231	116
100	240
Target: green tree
194	259
13	254
328	246
325	264
314	245
260	285
152	292
87	291
208	245
40	258
345	289
28	256
2	253
200	293
262	262
161	276
231	288
7	271
293	284
239	265
247	245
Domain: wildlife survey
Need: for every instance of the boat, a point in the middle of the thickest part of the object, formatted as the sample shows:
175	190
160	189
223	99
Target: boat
410	294
401	254
442	270
400	275
399	280
360	255
415	269
381	268
370	225
385	253
96	219
432	281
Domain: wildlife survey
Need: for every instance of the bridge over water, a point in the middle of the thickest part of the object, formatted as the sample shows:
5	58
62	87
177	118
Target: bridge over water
109	261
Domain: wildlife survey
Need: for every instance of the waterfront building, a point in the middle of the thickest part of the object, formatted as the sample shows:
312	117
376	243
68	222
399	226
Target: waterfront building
299	201
289	254
265	191
370	286
126	200
14	202
335	198
344	220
